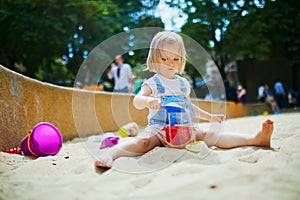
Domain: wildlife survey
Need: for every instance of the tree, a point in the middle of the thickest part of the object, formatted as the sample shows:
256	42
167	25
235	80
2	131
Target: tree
270	32
49	39
35	33
232	29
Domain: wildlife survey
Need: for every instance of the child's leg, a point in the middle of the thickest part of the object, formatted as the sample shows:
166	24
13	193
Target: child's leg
128	148
230	140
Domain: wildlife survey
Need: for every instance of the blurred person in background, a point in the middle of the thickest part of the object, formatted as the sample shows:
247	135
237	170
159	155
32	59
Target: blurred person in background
122	74
279	93
241	93
269	98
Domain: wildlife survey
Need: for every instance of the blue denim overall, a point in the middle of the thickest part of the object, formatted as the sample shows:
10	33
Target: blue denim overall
162	117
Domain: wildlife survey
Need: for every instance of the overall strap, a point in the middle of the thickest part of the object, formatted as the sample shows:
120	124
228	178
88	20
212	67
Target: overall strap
182	86
160	88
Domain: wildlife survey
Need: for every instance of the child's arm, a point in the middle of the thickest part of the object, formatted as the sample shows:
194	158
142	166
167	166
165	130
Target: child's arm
143	99
201	114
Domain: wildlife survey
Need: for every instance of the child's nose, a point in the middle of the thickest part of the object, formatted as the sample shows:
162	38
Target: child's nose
170	62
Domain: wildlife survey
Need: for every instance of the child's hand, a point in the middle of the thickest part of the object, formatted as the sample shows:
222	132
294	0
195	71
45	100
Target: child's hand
217	118
154	103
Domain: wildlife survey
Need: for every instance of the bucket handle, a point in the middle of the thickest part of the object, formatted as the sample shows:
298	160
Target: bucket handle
28	144
179	145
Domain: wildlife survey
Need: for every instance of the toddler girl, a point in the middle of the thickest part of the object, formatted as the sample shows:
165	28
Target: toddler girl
167	58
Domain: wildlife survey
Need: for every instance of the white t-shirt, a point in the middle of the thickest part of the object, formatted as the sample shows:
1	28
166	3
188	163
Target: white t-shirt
171	86
125	75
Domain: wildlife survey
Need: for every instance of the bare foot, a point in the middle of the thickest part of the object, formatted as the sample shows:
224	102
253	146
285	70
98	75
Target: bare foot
105	160
263	137
102	164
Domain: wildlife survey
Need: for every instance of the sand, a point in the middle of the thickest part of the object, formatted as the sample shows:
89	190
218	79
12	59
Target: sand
239	173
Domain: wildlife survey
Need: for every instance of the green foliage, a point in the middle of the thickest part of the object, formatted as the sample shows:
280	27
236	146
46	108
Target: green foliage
35	34
248	29
264	33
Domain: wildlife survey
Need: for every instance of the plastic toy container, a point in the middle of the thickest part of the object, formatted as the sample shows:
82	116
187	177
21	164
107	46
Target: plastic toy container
178	136
43	140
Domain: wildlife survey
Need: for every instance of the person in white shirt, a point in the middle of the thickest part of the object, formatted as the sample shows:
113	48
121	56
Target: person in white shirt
122	74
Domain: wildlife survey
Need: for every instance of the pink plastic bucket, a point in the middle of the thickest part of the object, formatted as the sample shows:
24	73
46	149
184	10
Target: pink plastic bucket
43	140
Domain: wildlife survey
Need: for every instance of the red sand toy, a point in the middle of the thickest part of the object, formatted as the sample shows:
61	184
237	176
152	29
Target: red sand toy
177	136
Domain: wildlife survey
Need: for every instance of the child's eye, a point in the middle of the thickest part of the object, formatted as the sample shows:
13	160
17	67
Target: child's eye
164	59
176	59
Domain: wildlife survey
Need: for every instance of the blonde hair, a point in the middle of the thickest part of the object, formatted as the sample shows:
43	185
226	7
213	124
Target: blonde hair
154	57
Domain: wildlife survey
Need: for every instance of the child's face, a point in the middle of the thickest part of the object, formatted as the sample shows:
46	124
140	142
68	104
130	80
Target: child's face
169	60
